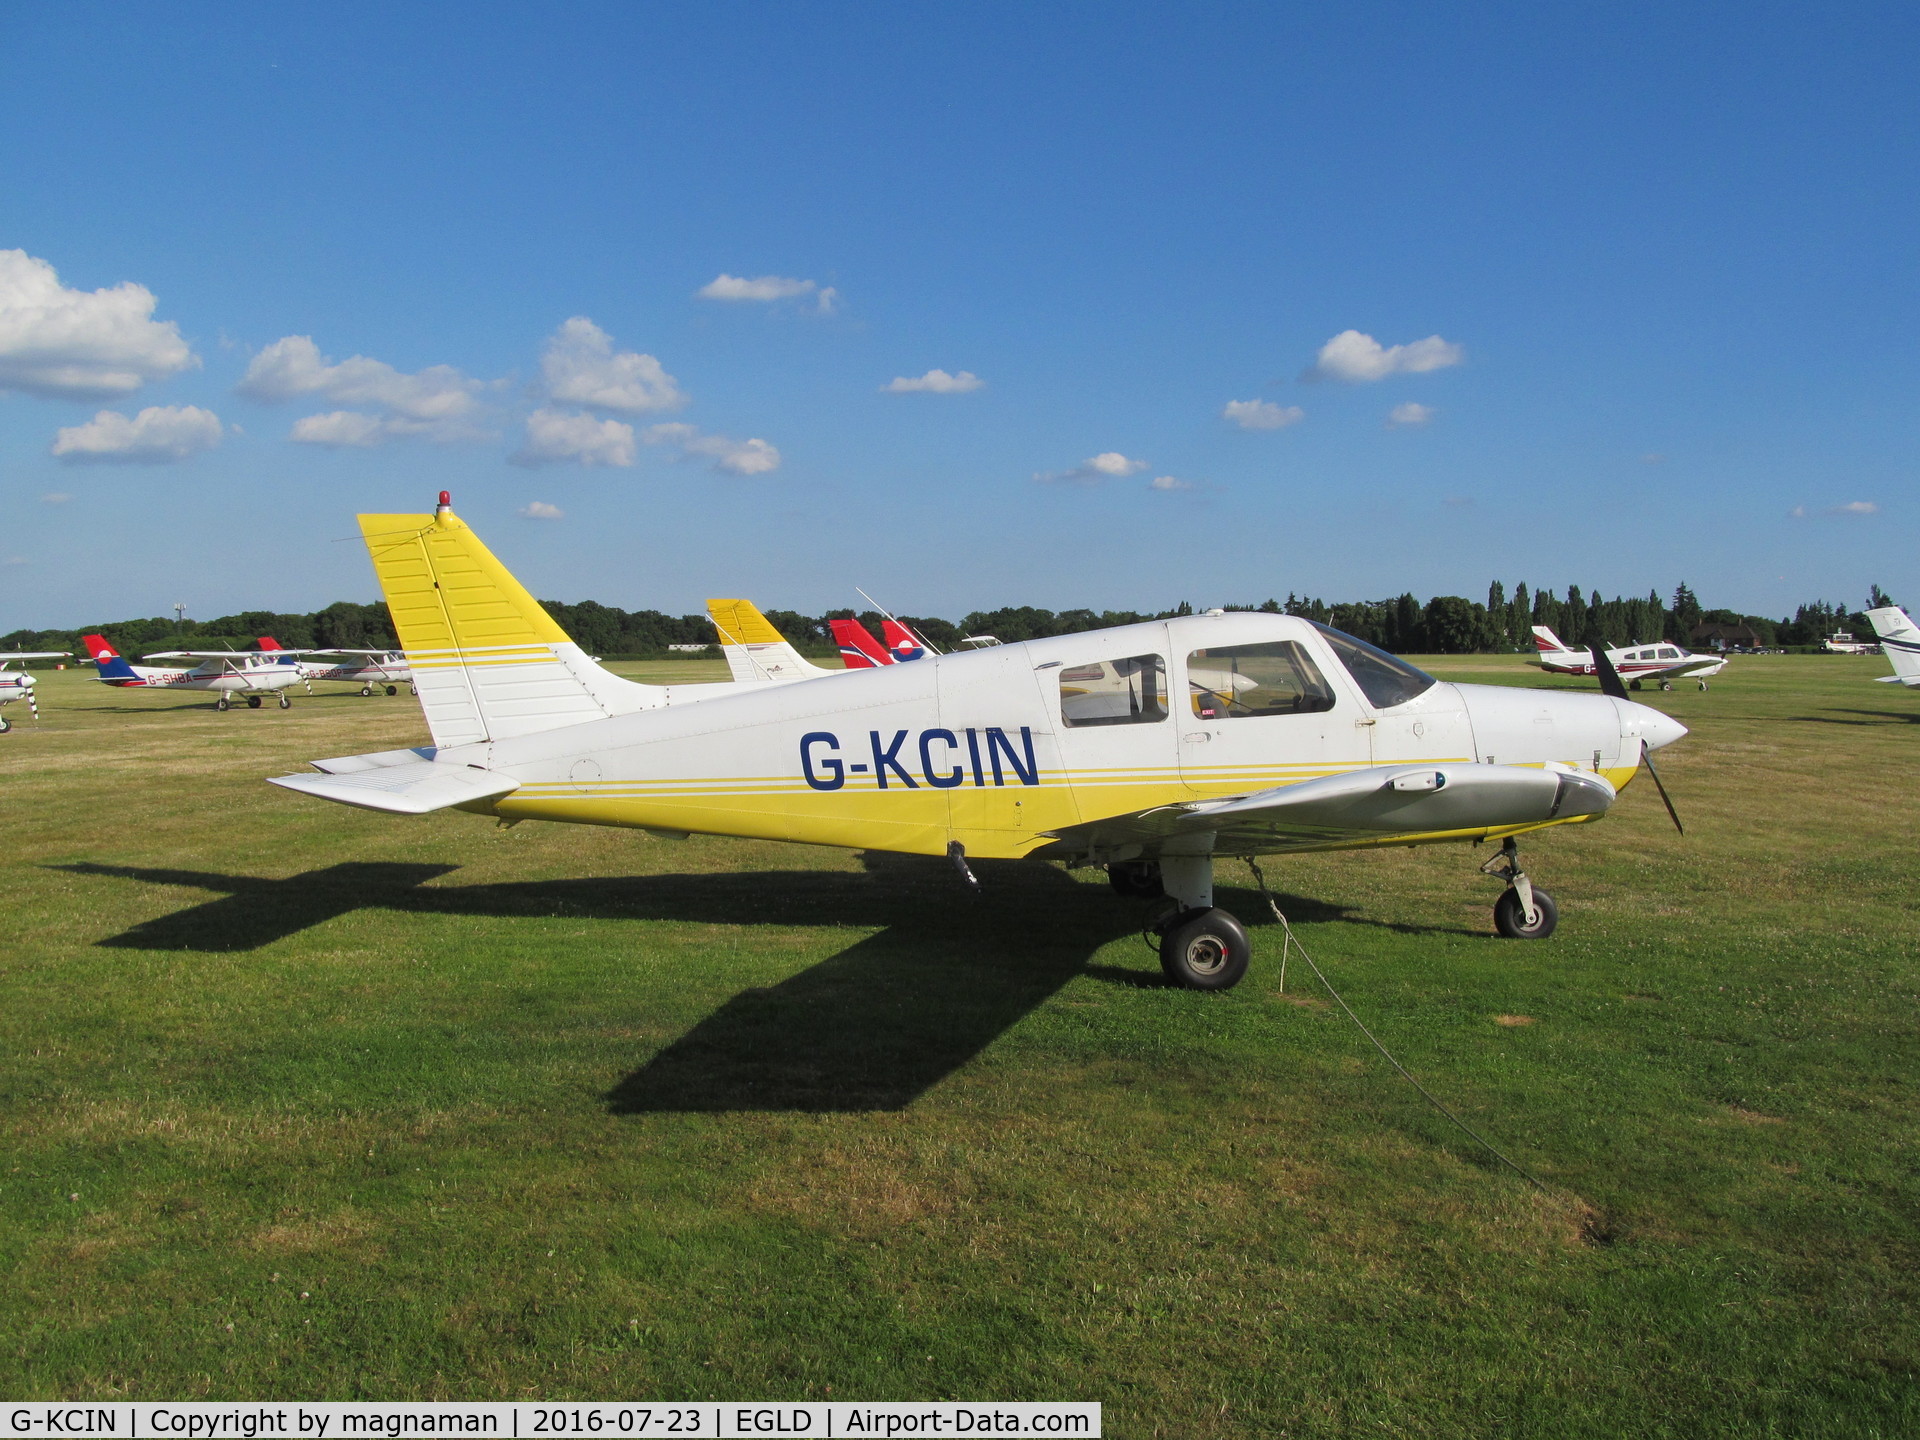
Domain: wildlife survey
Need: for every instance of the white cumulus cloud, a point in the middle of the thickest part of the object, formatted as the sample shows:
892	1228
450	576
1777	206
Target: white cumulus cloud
1855	507
80	344
580	367
1108	465
158	435
741	457
437	402
1169	482
1262	414
934	382
768	287
1409	415
1355	357
554	436
541	510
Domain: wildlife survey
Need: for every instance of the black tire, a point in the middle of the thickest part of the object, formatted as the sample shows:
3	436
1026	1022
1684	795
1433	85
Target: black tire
1136	879
286	701
1666	684
366	690
1205	950
5	724
223	703
253	702
393	689
1633	684
1511	921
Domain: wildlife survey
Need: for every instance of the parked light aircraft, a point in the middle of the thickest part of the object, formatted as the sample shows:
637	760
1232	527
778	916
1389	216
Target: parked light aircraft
1329	744
1663	662
369	669
18	685
756	652
246	673
858	649
1900	641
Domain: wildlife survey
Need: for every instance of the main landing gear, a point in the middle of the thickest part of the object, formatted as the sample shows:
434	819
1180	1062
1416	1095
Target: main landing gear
1521	912
1201	946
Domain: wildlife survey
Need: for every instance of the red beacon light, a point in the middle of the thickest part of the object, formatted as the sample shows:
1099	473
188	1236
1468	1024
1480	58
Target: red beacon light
446	503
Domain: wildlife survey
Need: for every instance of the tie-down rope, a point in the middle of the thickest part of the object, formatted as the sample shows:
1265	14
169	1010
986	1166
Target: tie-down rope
1292	942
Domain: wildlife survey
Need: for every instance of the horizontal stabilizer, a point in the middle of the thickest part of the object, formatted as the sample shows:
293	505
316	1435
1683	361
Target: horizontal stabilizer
378	760
405	789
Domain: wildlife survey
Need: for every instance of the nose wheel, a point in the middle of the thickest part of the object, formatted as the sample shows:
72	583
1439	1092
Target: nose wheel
1522	912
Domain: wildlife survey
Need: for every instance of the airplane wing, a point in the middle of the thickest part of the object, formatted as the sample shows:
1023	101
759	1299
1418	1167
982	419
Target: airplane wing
337	652
1692	665
215	654
1384	803
6	655
416	787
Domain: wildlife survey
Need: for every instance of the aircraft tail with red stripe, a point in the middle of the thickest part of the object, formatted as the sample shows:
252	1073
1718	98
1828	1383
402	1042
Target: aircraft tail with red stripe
858	649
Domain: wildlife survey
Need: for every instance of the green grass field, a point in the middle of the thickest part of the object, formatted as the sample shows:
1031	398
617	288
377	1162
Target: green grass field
303	1102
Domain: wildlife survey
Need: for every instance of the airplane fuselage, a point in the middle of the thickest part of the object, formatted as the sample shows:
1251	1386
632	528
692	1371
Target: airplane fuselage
982	747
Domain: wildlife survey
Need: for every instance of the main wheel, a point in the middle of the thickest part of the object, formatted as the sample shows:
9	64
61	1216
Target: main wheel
223	703
5	724
1511	920
286	701
393	689
1666	684
1703	684
1633	684
1205	950
1135	879
253	702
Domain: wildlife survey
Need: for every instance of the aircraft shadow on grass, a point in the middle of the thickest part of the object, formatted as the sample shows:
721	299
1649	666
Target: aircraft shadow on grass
1873	717
871	1028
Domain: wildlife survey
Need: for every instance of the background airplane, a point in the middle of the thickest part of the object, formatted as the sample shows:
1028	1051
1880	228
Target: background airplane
246	673
369	669
18	684
756	652
1323	742
1900	642
860	651
1663	662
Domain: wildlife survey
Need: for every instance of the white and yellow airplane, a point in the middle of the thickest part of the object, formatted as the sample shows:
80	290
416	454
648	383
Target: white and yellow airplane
757	652
19	685
1900	642
1321	742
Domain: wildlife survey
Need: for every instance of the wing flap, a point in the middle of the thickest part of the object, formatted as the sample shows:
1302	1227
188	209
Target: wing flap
418	788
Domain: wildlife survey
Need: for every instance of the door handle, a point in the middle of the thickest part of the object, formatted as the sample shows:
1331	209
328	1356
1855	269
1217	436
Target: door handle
1358	723
1196	737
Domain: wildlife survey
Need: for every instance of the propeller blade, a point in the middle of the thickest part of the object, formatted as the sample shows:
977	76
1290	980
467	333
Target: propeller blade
1610	682
1646	759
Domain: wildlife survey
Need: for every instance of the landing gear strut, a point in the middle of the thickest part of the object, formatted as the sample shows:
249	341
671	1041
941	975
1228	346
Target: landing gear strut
1521	912
223	703
286	701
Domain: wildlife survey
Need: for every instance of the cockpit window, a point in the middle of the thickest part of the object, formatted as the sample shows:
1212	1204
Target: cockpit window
1132	691
1229	682
1386	680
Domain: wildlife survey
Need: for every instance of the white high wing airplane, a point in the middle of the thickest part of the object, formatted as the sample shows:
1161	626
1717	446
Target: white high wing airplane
246	673
1664	662
18	685
1320	742
1900	642
369	669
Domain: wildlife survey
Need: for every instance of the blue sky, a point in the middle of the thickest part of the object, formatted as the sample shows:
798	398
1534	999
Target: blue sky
1653	266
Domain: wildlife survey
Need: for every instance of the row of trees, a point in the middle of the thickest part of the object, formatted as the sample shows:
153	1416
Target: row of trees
1445	624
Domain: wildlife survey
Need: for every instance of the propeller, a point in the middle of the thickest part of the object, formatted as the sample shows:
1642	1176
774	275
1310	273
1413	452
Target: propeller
1611	684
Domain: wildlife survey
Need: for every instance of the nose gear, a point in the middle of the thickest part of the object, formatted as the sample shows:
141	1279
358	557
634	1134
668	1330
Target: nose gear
1521	912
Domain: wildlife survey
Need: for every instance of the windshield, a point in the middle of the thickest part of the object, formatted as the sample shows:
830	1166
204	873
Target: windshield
1386	680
